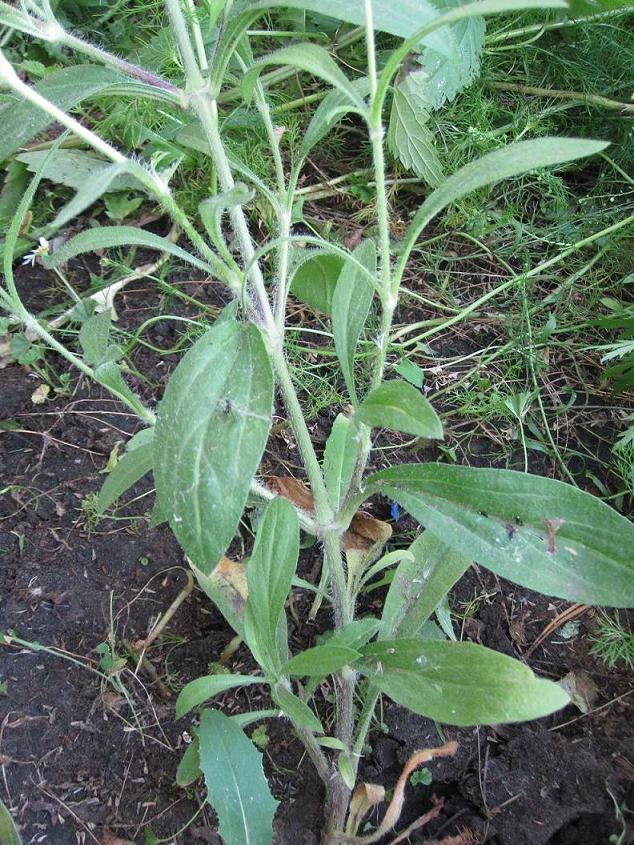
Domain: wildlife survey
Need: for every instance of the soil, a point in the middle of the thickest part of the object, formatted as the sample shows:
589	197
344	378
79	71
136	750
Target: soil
87	759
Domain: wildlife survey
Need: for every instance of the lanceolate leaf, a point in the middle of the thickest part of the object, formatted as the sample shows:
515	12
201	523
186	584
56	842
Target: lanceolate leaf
129	469
65	88
8	831
212	427
540	533
80	170
459	683
420	582
189	767
399	406
296	709
331	109
235	781
315	280
105	237
321	660
202	689
509	161
308	57
351	303
339	457
270	574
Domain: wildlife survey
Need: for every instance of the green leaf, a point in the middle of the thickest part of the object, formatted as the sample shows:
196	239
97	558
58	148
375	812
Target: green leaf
94	338
512	160
76	168
252	716
321	660
329	112
198	691
339	458
409	139
8	831
398	406
129	469
411	372
346	770
351	303
540	533
120	205
12	18
105	237
420	582
315	280
86	196
460	683
296	709
270	574
236	785
354	634
212	209
110	376
13	188
212	427
21	121
310	58
188	769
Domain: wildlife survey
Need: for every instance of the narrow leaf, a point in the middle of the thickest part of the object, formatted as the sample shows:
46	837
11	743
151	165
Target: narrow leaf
399	406
321	660
420	582
460	683
270	574
351	303
8	831
212	427
129	469
80	170
339	457
332	109
105	237
236	785
297	710
540	533
188	769
202	689
310	58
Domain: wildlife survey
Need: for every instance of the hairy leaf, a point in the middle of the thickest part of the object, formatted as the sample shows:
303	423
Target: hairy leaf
212	427
420	582
270	574
315	280
202	689
321	660
339	456
459	683
409	138
351	303
79	170
397	405
129	469
540	533
236	785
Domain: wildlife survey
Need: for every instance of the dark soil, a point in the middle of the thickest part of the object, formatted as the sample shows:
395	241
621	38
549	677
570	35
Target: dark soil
83	758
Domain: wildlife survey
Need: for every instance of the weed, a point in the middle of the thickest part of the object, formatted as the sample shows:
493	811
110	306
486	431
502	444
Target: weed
612	642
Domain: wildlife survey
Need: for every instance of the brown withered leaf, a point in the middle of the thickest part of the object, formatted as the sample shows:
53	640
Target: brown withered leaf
365	531
364	798
110	838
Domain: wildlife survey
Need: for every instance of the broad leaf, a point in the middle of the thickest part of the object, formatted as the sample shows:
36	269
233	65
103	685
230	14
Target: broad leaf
94	338
129	469
420	582
270	574
202	689
212	427
321	660
339	459
315	280
105	237
297	710
351	303
398	406
236	785
310	58
543	534
459	683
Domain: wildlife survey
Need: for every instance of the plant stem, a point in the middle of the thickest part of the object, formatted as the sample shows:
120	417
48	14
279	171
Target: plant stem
578	96
545	27
193	76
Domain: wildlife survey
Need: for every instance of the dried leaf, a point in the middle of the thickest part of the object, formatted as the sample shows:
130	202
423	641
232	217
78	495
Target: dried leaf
364	797
395	807
110	838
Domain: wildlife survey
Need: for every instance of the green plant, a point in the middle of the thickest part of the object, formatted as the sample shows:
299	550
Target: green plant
205	443
612	642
